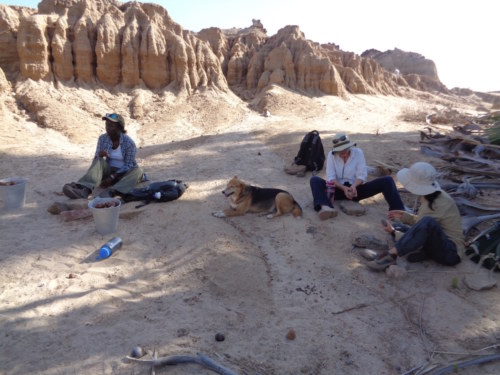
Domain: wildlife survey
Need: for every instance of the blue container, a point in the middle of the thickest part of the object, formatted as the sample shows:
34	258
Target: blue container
109	248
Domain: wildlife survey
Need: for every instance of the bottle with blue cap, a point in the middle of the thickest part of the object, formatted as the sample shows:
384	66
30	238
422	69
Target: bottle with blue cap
109	248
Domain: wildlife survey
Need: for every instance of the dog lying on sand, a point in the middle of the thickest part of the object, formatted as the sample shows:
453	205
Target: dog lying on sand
247	198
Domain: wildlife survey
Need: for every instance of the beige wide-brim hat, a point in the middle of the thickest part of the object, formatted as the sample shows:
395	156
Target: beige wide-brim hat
342	142
419	179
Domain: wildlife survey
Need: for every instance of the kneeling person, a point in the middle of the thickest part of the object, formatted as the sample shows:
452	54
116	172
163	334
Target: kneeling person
435	232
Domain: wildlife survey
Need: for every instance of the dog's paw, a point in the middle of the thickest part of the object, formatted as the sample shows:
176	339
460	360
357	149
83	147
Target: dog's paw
270	216
219	214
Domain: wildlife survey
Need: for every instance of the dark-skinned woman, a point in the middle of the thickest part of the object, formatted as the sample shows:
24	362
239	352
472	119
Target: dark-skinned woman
114	167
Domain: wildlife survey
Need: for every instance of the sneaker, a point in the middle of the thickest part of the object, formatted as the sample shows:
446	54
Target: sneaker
416	257
76	191
327	212
383	261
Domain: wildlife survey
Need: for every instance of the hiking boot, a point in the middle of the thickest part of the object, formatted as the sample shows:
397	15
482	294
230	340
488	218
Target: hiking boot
383	261
416	257
327	212
76	191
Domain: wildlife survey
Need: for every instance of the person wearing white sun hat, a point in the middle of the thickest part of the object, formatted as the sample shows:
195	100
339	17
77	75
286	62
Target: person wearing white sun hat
435	232
346	175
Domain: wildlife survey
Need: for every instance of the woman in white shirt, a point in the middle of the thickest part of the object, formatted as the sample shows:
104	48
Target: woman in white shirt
346	179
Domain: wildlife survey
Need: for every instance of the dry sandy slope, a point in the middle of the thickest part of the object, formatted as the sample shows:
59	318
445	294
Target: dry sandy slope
183	275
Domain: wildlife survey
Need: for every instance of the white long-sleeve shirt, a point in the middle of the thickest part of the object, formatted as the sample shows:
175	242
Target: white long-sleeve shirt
353	169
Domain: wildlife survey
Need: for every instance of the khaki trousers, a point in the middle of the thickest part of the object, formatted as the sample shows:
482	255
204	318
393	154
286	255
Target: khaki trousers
100	169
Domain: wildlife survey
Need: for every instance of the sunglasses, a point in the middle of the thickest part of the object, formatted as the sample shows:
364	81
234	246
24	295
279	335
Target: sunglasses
113	116
340	139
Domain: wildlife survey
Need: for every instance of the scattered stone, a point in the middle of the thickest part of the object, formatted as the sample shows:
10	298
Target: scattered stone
71	276
219	337
78	214
182	332
137	352
368	240
294	169
352	208
396	272
57	207
291	335
368	254
479	281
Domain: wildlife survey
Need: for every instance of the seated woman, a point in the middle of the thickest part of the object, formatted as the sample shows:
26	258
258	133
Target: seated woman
435	233
114	167
346	179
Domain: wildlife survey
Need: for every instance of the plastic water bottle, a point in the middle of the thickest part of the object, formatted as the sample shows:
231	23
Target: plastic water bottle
109	248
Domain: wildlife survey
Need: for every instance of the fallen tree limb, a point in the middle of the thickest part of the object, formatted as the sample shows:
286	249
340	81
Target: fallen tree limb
466	202
200	359
467	363
468	222
481	172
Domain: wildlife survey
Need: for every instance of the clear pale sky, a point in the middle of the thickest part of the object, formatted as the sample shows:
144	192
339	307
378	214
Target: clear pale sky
460	36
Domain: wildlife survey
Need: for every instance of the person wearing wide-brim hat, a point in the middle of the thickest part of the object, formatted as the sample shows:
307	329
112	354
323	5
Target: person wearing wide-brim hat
435	232
114	168
346	175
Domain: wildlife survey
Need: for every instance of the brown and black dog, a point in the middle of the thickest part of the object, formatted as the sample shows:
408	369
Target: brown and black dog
247	198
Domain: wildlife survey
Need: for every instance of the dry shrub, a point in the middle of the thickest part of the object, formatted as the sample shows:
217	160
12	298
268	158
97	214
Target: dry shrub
413	114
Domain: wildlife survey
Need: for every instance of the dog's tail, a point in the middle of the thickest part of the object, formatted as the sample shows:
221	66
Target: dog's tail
296	210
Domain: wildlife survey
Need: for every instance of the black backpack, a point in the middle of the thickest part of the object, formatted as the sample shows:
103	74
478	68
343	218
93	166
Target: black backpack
311	152
162	191
485	247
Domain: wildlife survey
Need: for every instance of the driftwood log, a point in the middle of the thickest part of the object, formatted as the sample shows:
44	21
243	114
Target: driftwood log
200	359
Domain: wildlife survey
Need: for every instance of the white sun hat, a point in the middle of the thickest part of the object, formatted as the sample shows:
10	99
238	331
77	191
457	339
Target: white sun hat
342	142
419	179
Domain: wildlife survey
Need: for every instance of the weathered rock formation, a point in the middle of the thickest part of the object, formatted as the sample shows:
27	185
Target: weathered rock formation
138	45
107	42
419	72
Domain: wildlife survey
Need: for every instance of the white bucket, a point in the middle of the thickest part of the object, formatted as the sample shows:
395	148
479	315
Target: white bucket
13	196
105	219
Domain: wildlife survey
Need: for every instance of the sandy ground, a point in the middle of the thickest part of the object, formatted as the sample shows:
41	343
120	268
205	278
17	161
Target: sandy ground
183	275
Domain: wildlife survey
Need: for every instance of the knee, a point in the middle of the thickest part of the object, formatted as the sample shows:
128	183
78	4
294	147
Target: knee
316	181
388	181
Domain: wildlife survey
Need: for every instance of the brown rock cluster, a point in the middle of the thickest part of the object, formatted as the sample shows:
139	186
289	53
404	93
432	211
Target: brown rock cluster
139	45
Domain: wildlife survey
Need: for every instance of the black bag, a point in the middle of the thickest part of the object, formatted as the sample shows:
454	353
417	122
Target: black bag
311	152
486	243
162	191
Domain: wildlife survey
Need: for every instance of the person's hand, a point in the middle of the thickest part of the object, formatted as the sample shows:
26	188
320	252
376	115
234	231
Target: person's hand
388	228
103	154
354	191
395	214
107	182
347	192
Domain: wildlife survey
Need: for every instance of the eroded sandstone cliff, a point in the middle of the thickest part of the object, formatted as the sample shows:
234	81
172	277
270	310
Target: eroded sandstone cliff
138	45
